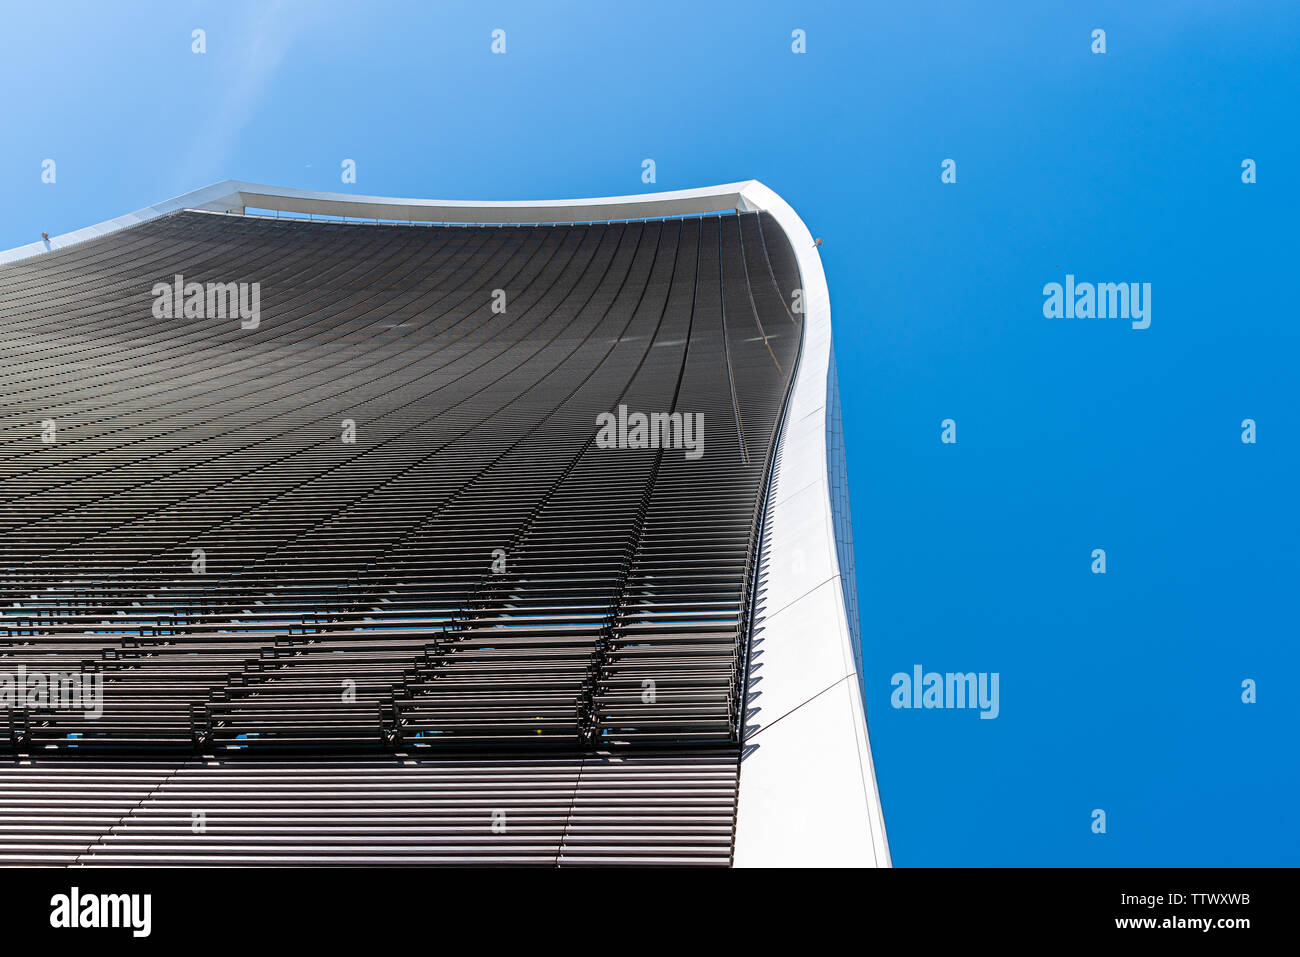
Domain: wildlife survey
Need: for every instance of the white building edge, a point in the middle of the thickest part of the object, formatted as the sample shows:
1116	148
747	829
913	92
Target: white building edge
808	794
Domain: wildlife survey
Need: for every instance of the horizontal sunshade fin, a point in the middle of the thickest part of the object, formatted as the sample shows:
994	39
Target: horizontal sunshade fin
330	491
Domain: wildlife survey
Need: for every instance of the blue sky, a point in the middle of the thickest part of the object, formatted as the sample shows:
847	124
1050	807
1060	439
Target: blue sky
1119	691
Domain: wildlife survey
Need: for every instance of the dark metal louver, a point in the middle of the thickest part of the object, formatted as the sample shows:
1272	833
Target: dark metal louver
474	581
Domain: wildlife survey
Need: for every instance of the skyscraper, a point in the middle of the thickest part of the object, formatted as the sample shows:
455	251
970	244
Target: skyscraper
347	529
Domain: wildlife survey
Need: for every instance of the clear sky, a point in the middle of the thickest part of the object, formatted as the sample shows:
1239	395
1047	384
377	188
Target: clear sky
1119	692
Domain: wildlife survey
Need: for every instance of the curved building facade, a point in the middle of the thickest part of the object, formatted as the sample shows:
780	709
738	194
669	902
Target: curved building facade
348	529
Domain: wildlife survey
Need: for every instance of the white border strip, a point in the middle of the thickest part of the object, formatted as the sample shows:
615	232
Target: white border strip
808	792
233	196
